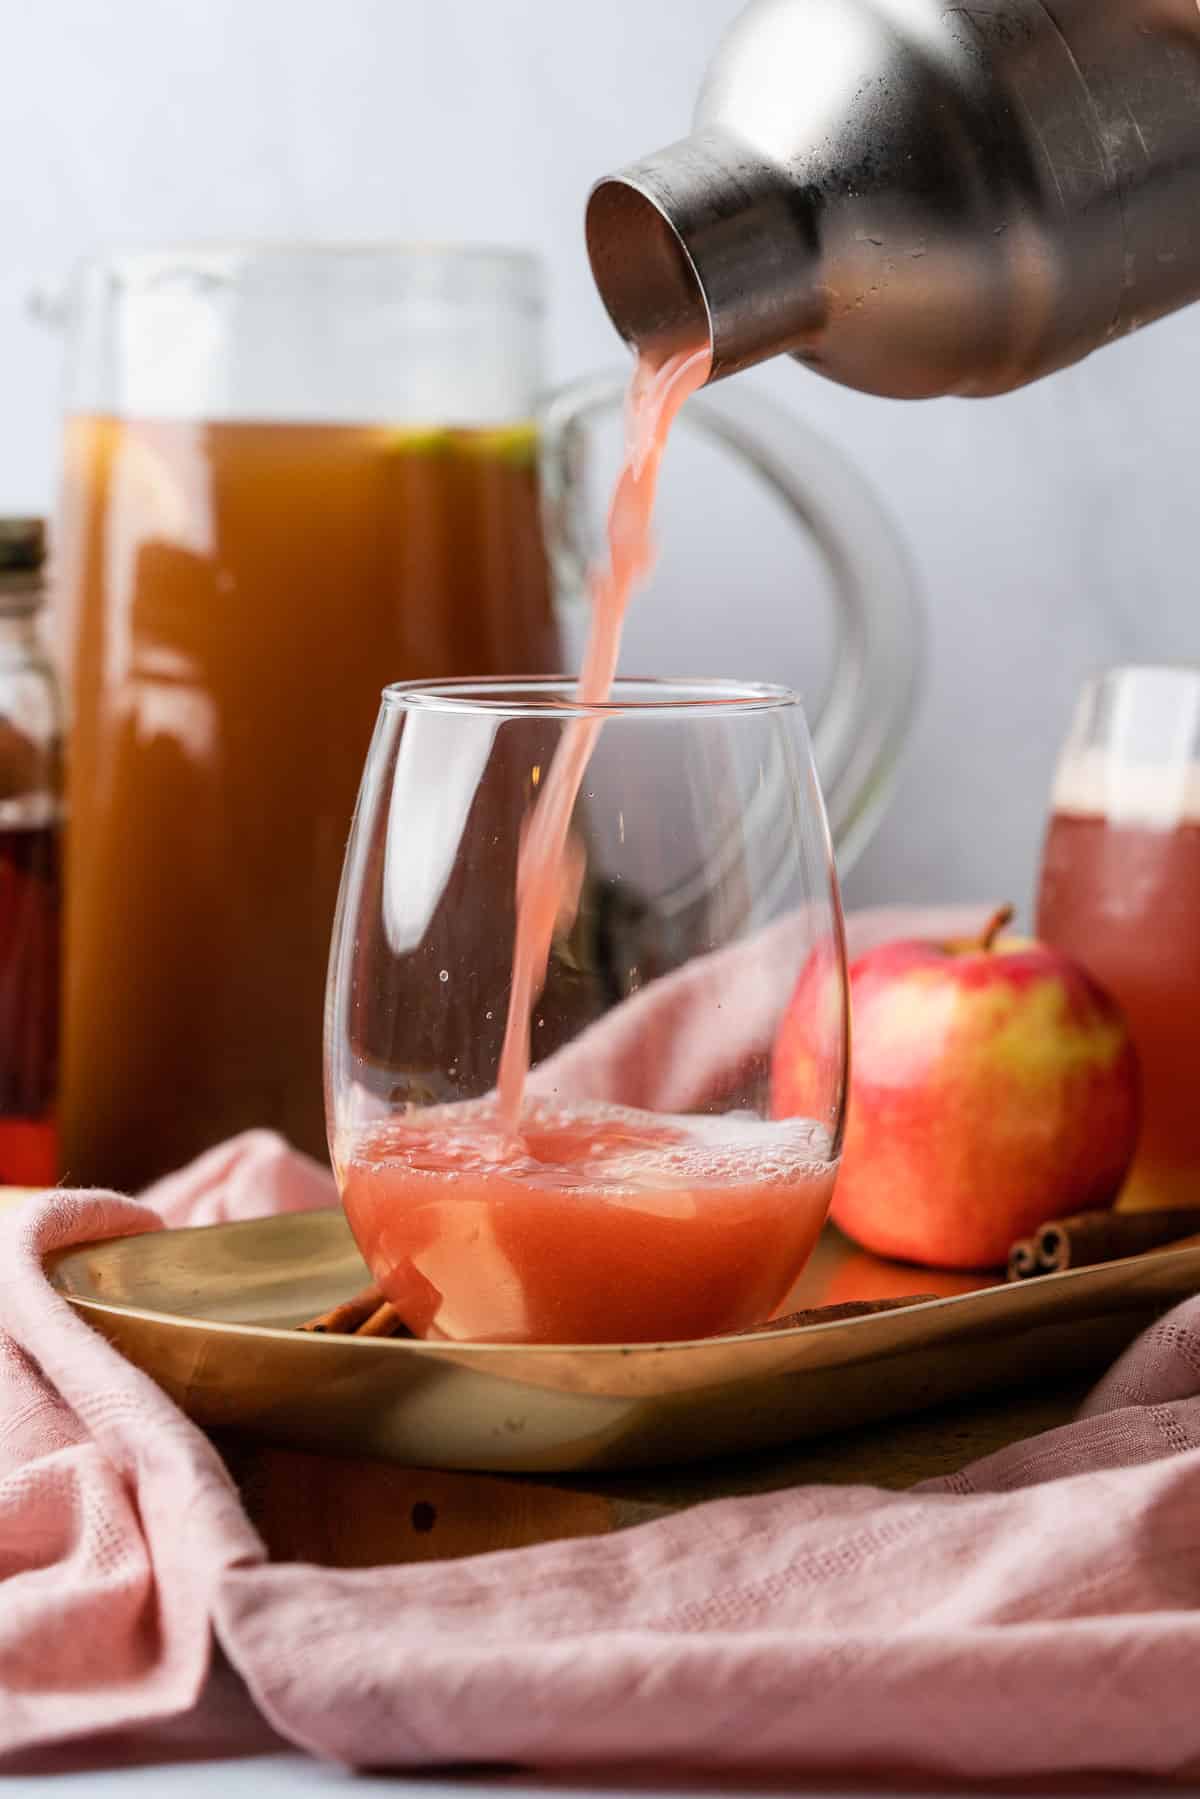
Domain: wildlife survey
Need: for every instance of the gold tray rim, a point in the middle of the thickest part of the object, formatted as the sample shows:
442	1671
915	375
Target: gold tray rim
562	1408
978	1299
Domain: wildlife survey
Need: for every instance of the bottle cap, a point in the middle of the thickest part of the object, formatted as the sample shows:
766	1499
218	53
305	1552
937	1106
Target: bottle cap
22	544
22	559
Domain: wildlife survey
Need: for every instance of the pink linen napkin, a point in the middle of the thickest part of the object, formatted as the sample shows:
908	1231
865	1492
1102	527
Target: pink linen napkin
1037	1613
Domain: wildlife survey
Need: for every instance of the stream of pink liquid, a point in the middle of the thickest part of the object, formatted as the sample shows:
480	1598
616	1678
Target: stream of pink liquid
656	393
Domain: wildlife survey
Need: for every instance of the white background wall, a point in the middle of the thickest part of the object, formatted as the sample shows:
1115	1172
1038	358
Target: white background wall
1054	531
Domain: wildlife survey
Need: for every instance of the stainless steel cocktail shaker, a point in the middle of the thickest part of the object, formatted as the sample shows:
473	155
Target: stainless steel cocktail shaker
919	198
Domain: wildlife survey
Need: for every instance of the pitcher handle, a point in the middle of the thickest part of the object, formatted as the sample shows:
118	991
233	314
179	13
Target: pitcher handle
864	716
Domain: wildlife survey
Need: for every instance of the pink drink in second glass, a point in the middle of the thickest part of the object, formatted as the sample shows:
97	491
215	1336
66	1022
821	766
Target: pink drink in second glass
1123	898
1120	891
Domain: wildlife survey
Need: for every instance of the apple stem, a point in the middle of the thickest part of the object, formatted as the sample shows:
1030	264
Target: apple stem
998	922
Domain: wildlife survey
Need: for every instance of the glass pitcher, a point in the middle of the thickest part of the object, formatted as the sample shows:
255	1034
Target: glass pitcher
291	476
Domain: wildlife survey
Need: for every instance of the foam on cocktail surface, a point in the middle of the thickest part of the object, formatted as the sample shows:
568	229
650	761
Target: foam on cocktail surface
1157	796
603	1149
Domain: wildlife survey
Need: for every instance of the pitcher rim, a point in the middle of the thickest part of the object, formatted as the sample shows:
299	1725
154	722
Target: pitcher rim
142	261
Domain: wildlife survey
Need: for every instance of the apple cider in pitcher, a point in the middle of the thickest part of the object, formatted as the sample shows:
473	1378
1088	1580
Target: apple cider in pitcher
234	596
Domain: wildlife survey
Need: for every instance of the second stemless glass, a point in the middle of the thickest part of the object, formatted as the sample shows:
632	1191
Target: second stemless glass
1120	891
648	1193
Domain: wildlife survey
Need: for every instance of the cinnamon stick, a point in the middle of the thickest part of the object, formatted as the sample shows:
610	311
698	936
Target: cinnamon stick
346	1318
1090	1238
383	1322
368	1314
855	1308
1023	1260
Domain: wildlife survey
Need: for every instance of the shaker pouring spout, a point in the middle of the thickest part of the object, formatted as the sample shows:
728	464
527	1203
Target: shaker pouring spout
698	242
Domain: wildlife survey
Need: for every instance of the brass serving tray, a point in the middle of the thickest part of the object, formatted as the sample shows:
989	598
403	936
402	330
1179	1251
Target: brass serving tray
210	1315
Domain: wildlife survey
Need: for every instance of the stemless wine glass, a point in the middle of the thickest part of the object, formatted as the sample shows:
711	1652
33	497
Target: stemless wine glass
647	1193
1120	891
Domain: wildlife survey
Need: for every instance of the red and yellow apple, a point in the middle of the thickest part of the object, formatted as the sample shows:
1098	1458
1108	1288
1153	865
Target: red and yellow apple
994	1086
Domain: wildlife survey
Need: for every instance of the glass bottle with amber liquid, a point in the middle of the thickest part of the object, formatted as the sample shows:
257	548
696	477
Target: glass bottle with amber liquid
30	819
